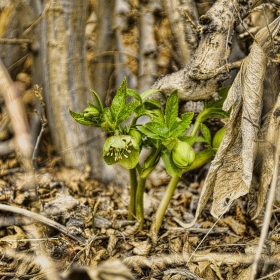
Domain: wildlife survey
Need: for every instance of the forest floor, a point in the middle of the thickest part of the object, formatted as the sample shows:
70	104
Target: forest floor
76	228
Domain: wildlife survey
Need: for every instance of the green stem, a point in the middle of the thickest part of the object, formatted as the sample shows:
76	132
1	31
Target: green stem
133	189
201	158
149	165
195	128
140	201
156	224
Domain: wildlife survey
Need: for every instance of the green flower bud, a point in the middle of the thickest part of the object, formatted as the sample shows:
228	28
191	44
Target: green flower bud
218	138
122	149
91	113
136	134
183	155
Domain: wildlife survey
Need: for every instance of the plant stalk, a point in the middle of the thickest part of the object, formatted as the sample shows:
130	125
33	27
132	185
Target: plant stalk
195	128
149	165
140	201
164	204
133	189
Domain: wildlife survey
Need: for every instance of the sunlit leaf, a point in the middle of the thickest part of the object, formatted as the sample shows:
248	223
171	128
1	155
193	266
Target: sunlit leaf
127	111
178	128
97	100
171	109
133	93
119	101
206	133
171	168
80	118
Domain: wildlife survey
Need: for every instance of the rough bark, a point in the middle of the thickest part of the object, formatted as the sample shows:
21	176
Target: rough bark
124	53
14	46
216	27
147	47
183	16
102	68
60	68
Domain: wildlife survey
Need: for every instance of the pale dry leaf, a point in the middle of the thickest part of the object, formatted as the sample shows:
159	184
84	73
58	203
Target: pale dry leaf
230	174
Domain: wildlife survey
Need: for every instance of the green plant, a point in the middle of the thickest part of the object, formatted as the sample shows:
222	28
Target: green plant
167	135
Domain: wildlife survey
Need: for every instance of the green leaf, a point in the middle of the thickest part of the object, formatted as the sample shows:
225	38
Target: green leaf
188	139
212	103
149	92
97	100
157	128
108	115
152	104
211	113
206	133
200	139
171	109
80	119
179	128
133	93
170	166
149	133
170	143
127	111
119	101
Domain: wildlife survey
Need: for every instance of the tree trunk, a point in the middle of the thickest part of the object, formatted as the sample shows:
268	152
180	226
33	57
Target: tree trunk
102	68
60	68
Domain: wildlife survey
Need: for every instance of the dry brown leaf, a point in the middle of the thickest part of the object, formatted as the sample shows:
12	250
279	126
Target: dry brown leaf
230	174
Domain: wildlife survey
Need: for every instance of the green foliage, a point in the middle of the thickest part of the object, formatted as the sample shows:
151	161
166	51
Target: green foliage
167	134
214	108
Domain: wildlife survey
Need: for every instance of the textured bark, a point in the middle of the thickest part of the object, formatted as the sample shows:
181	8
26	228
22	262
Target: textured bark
102	67
216	29
60	68
13	55
182	14
147	47
123	15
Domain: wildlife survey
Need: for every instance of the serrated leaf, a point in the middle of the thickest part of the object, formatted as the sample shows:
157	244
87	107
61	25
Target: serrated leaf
188	139
179	128
152	104
146	94
149	133
80	118
170	143
157	128
133	93
212	103
206	133
171	109
170	167
97	100
107	116
127	111
119	101
212	113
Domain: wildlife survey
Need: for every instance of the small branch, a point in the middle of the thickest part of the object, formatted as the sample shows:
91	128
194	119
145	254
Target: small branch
43	119
14	41
214	73
40	219
37	20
